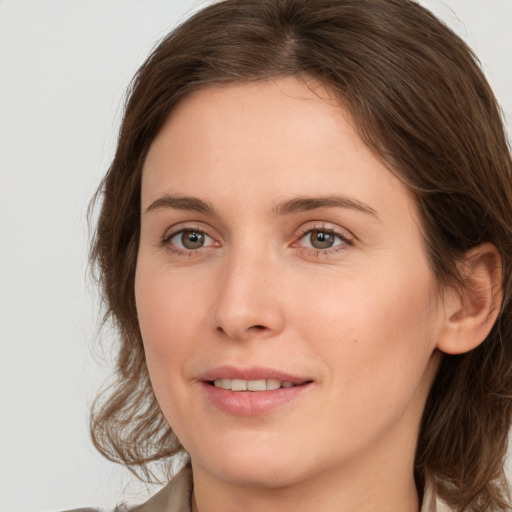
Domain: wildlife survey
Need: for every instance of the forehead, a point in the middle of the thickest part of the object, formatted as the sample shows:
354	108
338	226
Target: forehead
221	116
267	140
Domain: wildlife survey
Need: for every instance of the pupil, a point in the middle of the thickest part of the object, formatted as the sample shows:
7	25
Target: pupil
192	239
322	240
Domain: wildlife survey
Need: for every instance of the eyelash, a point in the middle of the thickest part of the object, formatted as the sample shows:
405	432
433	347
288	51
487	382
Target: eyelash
183	252
345	241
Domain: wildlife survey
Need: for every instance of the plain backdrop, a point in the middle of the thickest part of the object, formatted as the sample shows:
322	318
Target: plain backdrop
64	67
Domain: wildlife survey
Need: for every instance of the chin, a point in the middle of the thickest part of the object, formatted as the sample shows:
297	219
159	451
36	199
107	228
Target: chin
256	465
264	475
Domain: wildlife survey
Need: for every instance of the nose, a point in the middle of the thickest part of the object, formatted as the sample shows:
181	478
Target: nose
248	299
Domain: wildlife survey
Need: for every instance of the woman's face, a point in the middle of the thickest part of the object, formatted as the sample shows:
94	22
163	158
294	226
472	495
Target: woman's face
277	251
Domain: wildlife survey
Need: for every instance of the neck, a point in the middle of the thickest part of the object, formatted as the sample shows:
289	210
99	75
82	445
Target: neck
387	489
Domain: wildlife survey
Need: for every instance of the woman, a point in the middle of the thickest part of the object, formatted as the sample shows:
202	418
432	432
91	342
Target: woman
305	242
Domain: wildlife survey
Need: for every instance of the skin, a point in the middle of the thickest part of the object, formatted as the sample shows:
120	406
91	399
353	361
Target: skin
361	319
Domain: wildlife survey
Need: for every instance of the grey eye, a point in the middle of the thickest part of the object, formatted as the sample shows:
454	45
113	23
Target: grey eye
192	239
189	239
322	239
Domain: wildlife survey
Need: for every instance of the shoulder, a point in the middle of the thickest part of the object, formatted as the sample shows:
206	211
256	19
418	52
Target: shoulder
119	508
174	497
84	510
431	502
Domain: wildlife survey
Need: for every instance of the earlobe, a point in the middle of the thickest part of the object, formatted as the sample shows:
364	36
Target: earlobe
471	310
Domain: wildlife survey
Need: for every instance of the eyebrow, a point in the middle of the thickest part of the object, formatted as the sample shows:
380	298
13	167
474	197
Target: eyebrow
304	204
178	202
297	205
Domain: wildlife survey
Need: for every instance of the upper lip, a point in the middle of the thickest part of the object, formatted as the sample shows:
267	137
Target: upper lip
251	373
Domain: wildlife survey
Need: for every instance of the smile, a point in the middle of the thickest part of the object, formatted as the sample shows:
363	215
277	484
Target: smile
252	391
252	385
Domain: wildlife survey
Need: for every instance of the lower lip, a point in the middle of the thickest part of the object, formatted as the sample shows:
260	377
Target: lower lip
252	403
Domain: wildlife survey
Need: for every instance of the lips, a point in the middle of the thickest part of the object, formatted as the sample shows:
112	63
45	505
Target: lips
249	374
252	385
251	391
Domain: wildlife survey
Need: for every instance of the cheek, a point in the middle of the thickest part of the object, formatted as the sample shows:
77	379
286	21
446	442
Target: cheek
168	313
165	319
169	309
376	332
377	346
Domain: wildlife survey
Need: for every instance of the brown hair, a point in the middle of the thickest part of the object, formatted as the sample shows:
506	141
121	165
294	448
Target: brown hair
420	101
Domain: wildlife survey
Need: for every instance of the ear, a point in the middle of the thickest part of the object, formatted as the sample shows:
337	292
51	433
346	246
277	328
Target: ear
470	312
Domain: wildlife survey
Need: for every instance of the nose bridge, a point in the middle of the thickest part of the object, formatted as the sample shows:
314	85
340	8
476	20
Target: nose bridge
247	302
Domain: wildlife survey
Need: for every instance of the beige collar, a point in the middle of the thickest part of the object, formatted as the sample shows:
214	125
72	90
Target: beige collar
174	497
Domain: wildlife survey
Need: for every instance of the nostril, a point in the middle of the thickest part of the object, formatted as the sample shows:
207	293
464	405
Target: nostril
256	330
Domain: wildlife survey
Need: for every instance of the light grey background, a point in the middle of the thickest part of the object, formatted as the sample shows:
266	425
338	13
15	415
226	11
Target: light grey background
64	66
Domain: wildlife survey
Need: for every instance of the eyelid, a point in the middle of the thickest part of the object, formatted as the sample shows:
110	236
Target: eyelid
343	234
183	231
182	227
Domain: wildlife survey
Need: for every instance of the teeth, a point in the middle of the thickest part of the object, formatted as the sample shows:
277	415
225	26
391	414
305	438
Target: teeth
256	385
223	383
251	385
273	384
238	385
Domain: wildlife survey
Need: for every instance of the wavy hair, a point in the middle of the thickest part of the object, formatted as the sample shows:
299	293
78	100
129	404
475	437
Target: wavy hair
421	103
